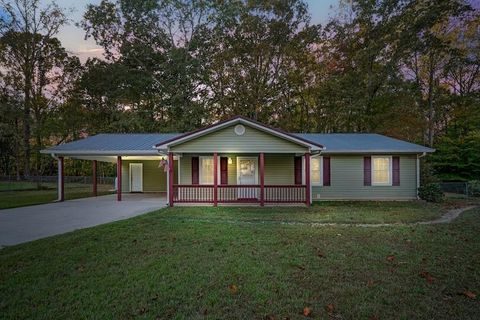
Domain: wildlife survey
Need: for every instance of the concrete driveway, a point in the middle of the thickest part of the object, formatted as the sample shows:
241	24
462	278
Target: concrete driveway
25	224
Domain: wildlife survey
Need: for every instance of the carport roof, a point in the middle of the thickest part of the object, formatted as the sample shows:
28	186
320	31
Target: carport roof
143	144
113	144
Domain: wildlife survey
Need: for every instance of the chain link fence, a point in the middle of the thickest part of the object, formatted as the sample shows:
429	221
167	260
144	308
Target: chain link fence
10	183
469	189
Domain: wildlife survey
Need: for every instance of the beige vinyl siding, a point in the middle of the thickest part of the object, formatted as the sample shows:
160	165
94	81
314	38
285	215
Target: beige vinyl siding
226	141
346	176
278	168
154	178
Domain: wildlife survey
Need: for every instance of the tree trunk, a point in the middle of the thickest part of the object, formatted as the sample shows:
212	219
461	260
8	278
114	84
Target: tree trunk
26	126
430	102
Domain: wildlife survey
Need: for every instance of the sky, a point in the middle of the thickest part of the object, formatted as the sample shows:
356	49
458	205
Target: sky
73	40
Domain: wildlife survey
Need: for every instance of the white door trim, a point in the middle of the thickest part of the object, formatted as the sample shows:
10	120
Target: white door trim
130	176
255	159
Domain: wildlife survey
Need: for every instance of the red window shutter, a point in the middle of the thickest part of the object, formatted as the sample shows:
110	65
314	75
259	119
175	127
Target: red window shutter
326	171
367	171
223	170
298	170
396	171
195	174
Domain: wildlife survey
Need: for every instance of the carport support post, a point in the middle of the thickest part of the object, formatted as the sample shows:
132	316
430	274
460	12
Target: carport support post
119	178
262	179
215	179
170	179
61	180
94	177
307	179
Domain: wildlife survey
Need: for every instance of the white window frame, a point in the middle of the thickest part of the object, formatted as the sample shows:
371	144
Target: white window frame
200	170
320	183
390	170
316	184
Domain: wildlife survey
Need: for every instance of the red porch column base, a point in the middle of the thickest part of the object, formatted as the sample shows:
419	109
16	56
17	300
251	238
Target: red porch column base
307	179
170	179
262	179
215	179
119	178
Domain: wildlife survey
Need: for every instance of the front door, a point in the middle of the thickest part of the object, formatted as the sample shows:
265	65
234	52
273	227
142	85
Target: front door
136	177
247	174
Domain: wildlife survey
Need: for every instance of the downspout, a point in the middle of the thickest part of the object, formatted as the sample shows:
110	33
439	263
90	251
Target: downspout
418	170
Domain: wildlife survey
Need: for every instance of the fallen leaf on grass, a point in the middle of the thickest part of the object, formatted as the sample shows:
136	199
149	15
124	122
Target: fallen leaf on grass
307	312
330	308
469	294
427	276
390	257
233	288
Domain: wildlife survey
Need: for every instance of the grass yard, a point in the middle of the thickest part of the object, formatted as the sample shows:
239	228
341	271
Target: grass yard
334	211
20	198
187	263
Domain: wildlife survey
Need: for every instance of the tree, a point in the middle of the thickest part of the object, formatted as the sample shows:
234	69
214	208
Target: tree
29	57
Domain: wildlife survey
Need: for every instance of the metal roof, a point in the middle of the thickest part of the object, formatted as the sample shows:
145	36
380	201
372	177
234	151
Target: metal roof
113	143
143	144
362	143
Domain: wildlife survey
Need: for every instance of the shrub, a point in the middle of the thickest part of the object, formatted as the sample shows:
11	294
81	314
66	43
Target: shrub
431	192
474	188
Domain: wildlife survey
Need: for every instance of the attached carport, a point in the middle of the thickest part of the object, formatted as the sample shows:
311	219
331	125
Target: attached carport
112	148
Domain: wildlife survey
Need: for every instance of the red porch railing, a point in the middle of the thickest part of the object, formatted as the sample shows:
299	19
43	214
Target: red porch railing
285	194
193	193
239	193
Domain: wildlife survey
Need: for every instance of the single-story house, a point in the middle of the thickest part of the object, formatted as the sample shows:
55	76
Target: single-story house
244	161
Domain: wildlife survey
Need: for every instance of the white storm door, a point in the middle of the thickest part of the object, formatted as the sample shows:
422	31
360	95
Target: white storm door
247	174
136	177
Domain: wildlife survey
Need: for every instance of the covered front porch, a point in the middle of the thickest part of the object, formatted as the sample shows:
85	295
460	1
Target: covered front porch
239	178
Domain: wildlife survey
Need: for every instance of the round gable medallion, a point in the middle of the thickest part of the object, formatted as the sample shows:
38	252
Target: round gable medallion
239	130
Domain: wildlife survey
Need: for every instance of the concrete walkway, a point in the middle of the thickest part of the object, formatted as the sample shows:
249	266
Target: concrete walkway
18	225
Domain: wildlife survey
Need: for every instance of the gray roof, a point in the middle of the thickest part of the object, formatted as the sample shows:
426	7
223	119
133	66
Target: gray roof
138	143
113	143
362	143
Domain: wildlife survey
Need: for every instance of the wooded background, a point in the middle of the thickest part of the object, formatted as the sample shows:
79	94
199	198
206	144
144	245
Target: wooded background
409	69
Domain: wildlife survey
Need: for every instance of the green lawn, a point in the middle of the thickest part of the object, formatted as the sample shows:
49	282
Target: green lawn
341	212
186	263
20	198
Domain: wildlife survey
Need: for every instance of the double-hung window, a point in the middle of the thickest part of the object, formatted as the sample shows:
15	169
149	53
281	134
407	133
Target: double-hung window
316	170
206	170
382	171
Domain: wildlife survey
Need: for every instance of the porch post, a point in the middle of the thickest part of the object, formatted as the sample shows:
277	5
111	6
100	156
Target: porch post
94	177
61	180
119	178
215	179
170	179
262	179
307	179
